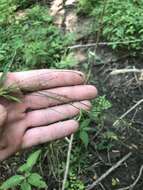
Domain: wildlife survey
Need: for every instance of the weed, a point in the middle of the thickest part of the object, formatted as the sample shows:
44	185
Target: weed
86	6
38	43
73	183
100	105
7	8
26	179
122	22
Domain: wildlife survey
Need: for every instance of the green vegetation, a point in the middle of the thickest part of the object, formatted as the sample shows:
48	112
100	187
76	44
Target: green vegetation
79	159
100	105
26	179
31	39
74	183
7	91
122	22
86	6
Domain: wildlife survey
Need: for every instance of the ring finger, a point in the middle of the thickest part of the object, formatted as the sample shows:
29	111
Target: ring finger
56	113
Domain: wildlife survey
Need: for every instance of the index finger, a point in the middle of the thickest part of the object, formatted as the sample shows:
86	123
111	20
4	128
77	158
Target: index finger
46	78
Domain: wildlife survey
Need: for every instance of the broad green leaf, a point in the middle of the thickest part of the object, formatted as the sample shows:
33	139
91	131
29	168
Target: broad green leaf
12	182
35	176
33	158
84	137
23	168
36	180
25	186
85	124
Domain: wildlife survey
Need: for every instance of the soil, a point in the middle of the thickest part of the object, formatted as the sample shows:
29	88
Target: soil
123	91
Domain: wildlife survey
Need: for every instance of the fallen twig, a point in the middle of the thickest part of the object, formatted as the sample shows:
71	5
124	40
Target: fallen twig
101	44
68	162
122	71
127	112
109	171
135	182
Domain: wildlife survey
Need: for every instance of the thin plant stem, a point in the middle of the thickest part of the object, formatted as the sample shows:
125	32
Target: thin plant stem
67	162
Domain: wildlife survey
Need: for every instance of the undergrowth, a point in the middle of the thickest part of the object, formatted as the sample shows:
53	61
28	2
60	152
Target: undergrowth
25	179
30	38
122	22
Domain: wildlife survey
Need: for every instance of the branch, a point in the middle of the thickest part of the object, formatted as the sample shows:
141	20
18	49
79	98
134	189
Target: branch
109	171
101	44
127	112
122	71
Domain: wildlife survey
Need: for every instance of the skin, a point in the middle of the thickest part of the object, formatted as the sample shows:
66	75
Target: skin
49	101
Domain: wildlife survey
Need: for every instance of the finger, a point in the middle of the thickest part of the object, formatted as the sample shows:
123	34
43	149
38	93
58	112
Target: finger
56	113
48	133
3	115
5	153
46	78
8	150
56	96
3	118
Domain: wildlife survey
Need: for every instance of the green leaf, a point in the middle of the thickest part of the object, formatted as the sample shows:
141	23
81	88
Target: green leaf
85	124
84	137
31	161
36	180
25	186
12	182
23	168
13	98
33	158
35	176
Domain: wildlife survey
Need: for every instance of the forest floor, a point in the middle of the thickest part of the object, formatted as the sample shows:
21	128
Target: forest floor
113	75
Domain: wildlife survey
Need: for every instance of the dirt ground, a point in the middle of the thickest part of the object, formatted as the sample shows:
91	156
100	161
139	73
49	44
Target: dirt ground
124	91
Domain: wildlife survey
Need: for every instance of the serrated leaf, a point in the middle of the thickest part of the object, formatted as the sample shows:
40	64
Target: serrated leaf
36	180
12	182
33	158
25	186
84	137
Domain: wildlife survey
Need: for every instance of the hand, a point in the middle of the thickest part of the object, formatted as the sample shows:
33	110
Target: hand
49	101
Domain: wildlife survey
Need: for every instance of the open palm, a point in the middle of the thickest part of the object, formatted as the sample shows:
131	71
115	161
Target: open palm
49	101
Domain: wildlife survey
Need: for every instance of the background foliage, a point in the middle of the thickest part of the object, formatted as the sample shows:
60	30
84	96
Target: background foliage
122	21
30	38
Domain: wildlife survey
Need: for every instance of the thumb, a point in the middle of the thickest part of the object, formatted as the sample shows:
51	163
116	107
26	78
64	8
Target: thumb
3	116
